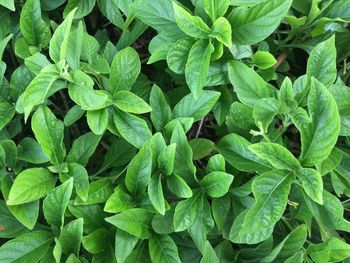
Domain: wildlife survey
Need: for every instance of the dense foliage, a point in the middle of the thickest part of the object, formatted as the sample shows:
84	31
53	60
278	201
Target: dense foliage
174	131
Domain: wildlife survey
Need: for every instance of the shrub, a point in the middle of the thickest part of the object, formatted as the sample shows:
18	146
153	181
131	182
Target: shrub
174	131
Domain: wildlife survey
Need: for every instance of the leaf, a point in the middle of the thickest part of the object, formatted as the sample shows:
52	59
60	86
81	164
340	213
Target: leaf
161	112
7	112
82	93
129	102
277	155
71	236
49	133
322	62
264	112
341	94
193	26
178	54
139	172
10	4
99	192
183	165
82	8
234	149
201	148
119	201
333	250
163	249
250	87
263	59
221	30
56	202
82	148
291	243
126	67
124	245
186	211
80	179
40	88
215	9
134	221
198	108
312	183
178	186
30	185
271	190
209	254
155	193
319	137
97	120
196	69
216	184
133	129
94	242
252	25
29	247
60	39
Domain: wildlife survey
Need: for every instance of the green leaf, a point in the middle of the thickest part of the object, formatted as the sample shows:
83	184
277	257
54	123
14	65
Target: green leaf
97	120
341	94
155	193
191	25
83	148
322	62
119	201
56	202
312	183
292	242
178	186
29	247
83	8
209	255
139	172
48	131
198	108
30	185
129	102
277	155
60	39
221	30
183	165
133	129
134	221
124	245
71	236
126	67
201	148
271	190
161	111
186	211
163	249
333	250
99	192
40	88
263	59
81	179
234	149
166	159
178	54
94	242
216	184
197	66
250	87
254	24
264	112
82	93
319	137
30	151
9	4
215	9
7	112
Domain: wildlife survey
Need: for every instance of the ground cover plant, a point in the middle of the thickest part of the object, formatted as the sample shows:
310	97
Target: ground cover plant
174	131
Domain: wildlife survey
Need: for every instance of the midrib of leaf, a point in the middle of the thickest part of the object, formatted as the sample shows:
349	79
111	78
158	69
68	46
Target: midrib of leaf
37	247
37	185
166	256
50	138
